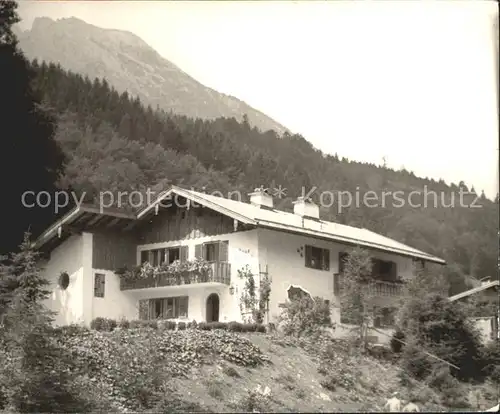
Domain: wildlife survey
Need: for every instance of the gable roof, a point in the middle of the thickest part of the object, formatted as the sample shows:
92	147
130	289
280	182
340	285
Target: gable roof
289	222
475	290
248	214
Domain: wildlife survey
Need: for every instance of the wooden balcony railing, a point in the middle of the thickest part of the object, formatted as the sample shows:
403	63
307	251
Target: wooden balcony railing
219	272
378	288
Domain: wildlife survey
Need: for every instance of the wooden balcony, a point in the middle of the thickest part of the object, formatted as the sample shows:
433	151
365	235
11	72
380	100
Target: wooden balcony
219	272
378	288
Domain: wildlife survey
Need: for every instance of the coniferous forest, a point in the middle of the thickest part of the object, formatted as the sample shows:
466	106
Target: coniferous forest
62	130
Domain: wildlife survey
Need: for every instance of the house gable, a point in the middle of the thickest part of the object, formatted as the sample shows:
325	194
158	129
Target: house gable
182	222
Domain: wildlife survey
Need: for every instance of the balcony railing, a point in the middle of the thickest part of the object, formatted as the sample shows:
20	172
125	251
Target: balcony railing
218	272
377	288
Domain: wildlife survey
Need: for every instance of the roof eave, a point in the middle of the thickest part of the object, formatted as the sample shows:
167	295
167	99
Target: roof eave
348	241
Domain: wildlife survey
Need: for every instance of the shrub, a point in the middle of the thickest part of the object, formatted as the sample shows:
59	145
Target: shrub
441	327
70	330
235	327
415	362
261	329
217	325
192	325
135	324
452	391
103	324
490	356
396	345
329	382
181	326
124	324
166	325
230	371
305	316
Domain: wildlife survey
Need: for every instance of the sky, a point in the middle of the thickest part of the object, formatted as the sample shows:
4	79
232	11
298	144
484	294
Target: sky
413	82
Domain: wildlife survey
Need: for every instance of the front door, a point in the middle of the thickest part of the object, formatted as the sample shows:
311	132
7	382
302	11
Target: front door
213	308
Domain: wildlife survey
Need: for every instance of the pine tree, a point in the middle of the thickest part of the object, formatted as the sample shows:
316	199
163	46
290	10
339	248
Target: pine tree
30	159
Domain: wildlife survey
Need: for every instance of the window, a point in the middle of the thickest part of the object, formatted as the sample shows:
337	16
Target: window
213	251
99	283
172	254
381	269
384	270
157	257
168	308
169	255
317	258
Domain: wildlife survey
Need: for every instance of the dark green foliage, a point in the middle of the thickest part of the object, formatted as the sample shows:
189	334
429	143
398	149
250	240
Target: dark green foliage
396	345
452	391
435	324
34	375
305	316
30	159
103	324
124	324
490	355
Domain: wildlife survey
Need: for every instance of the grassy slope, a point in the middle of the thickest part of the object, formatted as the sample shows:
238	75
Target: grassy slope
216	371
292	375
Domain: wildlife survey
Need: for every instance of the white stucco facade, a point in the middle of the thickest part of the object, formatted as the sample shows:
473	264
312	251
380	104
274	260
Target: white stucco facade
280	252
283	254
77	303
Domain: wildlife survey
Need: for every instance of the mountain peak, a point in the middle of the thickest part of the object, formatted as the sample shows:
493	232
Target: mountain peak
41	23
129	64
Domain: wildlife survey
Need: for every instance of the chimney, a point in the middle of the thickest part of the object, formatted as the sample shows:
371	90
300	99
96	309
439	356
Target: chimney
485	280
261	198
306	208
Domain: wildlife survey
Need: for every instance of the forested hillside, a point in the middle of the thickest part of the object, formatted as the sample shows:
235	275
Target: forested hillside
114	143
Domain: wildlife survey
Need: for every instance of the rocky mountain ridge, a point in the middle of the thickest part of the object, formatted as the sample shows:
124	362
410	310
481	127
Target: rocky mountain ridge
130	64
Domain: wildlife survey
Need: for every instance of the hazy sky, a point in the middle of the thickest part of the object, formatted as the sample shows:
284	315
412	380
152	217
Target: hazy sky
413	81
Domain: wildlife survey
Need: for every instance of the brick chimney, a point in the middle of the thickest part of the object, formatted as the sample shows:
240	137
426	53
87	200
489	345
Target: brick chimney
261	198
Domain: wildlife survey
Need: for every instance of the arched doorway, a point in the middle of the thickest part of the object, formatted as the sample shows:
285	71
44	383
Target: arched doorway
213	308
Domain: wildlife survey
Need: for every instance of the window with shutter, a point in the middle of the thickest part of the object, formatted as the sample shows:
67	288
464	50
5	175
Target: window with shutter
342	261
384	270
317	258
184	253
326	259
99	284
173	254
198	251
224	251
211	251
336	284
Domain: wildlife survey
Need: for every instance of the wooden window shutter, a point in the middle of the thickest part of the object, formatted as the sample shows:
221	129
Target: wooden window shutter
224	251
394	270
336	284
198	251
143	309
308	255
342	259
183	254
326	259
